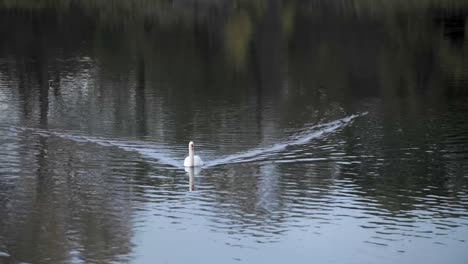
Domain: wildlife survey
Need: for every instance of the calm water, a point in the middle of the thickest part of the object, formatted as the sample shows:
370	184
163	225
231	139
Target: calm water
331	132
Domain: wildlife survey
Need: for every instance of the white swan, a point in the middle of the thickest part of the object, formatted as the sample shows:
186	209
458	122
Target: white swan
192	160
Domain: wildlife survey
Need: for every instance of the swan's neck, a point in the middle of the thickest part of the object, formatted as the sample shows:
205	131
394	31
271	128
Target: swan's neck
191	157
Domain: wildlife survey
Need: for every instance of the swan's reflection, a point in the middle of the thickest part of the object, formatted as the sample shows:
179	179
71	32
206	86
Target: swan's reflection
192	172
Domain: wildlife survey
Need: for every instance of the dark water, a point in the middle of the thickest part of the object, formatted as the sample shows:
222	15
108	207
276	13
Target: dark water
332	131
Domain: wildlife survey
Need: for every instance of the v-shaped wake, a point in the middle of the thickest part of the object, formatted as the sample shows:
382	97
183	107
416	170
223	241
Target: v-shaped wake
166	156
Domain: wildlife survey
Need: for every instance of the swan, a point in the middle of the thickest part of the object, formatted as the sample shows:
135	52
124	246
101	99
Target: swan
192	160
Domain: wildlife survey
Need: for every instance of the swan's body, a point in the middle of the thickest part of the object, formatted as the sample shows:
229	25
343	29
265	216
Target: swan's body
192	160
197	161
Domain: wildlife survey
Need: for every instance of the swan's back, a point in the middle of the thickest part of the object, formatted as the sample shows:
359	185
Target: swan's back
196	159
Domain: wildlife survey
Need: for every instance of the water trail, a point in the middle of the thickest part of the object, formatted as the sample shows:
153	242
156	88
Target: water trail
166	155
298	139
158	152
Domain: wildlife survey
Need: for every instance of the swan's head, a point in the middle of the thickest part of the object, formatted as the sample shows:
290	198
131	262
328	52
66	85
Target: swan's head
190	145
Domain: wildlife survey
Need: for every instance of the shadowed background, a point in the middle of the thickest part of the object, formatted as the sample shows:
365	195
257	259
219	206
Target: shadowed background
334	131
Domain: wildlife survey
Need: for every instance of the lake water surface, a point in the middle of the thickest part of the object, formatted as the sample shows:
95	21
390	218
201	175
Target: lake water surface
331	132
